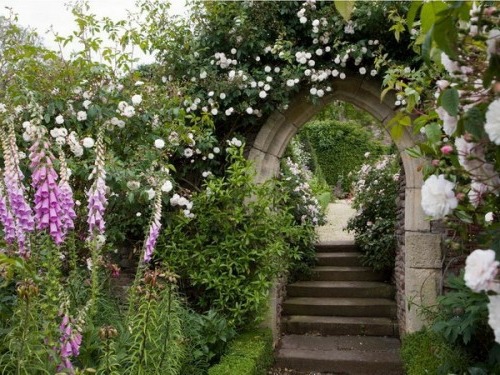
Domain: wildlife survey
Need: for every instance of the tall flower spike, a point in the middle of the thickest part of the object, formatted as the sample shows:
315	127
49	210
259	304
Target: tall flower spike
66	195
154	229
16	202
97	192
48	210
6	218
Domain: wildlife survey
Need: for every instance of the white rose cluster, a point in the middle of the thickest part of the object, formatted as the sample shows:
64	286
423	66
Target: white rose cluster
438	197
481	269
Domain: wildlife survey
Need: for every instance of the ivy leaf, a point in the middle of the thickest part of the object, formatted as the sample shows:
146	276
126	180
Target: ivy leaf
345	8
450	100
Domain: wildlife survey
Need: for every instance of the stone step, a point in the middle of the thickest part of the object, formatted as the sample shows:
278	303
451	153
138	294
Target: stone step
370	307
336	246
339	325
353	355
333	273
355	289
339	259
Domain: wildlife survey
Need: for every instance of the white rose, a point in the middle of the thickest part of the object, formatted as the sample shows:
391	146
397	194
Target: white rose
133	185
59	120
151	193
128	111
167	187
81	116
449	122
480	270
438	198
494	316
88	142
159	143
86	104
489	217
492	125
136	99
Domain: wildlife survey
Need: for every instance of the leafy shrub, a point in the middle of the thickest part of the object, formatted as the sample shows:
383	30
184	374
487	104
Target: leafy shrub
426	352
207	337
249	354
462	319
340	147
375	193
233	248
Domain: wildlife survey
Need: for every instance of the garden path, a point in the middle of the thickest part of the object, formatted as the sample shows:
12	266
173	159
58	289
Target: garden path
337	215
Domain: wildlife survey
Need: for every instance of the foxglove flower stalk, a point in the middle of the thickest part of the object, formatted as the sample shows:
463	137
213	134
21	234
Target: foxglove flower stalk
97	192
18	216
70	340
66	195
154	229
6	218
48	210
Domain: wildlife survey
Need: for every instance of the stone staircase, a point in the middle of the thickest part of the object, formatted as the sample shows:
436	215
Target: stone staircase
343	321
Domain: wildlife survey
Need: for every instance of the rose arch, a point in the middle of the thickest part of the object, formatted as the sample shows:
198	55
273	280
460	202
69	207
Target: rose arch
422	250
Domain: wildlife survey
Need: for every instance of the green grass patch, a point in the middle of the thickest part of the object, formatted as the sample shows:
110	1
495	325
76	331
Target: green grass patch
250	353
426	352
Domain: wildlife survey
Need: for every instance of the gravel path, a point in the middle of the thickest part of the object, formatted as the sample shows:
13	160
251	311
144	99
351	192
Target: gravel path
337	215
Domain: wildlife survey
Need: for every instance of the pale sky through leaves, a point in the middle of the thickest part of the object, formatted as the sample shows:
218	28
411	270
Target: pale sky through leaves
42	14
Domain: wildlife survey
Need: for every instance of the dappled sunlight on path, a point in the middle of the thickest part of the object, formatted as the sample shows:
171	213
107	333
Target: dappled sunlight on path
337	215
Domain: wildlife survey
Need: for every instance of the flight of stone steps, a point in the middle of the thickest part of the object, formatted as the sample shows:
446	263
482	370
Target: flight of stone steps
343	321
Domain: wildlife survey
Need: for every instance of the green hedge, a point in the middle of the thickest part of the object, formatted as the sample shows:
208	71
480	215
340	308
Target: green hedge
426	352
250	353
340	148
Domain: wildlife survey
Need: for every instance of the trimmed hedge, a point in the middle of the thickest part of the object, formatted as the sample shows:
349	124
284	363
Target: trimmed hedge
426	352
250	353
340	148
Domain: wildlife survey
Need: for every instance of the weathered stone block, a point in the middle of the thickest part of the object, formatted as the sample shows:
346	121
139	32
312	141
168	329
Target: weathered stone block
421	290
423	250
266	165
415	219
268	131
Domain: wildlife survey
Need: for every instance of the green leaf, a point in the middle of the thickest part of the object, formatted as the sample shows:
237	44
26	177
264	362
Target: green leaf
428	14
412	13
345	8
414	152
492	72
464	216
445	35
450	101
427	46
473	122
433	132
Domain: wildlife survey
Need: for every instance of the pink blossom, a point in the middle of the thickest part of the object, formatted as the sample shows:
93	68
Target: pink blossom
446	149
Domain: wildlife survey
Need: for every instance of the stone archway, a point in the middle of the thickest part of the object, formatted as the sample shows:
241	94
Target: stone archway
422	250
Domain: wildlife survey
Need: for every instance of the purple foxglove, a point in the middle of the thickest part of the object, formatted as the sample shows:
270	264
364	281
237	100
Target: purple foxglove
66	196
48	210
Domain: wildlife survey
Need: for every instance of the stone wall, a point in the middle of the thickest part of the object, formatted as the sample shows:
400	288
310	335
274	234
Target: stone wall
399	270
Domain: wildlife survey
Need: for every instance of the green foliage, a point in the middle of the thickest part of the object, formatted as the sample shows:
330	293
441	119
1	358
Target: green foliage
207	337
155	334
249	354
375	193
426	352
340	148
462	319
233	248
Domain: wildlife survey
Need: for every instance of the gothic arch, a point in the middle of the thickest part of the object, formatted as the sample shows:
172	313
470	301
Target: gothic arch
422	250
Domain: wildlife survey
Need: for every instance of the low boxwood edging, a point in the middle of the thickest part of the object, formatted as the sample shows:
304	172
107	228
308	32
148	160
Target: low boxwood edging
250	353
